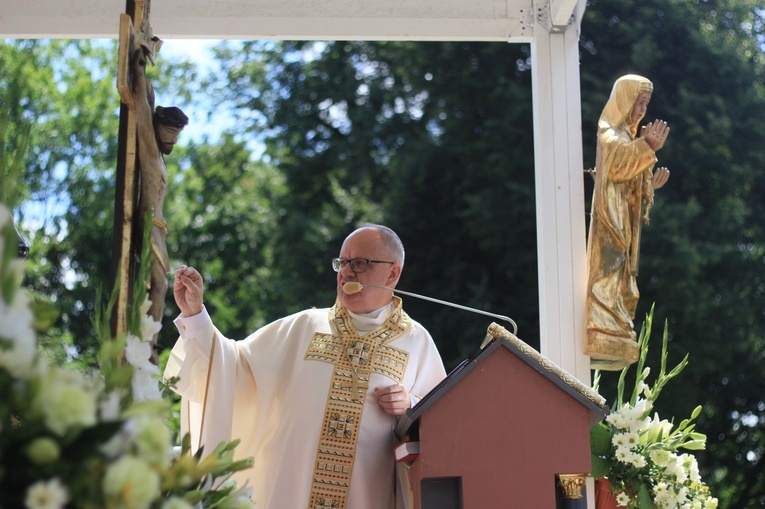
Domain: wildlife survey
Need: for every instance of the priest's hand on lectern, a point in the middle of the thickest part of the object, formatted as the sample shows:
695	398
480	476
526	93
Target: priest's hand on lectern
394	399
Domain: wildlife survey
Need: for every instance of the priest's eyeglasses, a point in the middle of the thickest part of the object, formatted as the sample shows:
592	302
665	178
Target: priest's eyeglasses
358	265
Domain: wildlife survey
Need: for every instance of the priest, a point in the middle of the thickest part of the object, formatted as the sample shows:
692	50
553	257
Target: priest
314	396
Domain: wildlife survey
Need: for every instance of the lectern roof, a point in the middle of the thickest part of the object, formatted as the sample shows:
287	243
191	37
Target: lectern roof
501	338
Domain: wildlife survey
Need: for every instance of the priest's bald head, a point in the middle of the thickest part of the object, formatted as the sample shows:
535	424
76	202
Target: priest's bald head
371	255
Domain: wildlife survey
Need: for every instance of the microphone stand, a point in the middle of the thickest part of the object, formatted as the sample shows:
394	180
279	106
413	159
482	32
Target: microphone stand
438	301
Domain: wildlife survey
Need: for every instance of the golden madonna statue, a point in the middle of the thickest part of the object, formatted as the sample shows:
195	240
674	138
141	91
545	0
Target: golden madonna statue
622	200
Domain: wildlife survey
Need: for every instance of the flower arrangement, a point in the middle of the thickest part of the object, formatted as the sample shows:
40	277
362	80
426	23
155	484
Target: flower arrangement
98	439
641	455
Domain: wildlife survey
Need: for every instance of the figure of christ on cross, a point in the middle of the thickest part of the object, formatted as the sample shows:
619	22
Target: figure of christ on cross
157	133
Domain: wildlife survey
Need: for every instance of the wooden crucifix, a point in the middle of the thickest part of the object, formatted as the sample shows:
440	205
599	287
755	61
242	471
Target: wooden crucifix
146	135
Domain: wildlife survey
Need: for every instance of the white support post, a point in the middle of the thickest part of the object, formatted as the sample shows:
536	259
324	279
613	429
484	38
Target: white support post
561	243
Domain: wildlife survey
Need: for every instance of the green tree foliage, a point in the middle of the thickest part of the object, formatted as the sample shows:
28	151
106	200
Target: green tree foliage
432	139
64	91
61	90
462	192
221	210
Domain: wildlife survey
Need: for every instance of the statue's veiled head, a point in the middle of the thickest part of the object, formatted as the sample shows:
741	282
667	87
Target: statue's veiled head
624	94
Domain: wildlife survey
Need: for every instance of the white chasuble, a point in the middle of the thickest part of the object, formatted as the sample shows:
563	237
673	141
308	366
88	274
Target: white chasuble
299	393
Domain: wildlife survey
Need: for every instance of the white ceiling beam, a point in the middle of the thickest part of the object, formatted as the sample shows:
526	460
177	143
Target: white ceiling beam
481	20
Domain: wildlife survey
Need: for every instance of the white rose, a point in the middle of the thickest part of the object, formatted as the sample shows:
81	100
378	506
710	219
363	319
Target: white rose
176	503
65	402
660	457
130	482
50	494
153	441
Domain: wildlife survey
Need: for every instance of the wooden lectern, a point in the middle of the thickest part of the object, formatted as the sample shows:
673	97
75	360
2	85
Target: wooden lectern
506	429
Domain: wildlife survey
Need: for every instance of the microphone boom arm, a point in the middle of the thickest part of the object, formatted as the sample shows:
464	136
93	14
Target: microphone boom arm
458	306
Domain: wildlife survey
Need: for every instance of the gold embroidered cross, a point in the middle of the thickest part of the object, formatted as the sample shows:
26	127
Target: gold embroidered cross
360	358
358	355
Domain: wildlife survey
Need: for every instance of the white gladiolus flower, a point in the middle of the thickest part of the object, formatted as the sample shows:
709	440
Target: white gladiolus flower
49	494
145	383
16	328
109	409
635	414
149	326
138	352
655	428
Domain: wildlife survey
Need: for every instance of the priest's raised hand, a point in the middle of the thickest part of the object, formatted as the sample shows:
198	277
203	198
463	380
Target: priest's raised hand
188	290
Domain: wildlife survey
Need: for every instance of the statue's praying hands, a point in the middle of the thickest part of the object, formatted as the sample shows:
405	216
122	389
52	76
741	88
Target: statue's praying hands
655	134
660	177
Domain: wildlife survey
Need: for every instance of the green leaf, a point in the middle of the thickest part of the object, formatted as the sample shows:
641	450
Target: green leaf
695	445
600	439
644	498
600	467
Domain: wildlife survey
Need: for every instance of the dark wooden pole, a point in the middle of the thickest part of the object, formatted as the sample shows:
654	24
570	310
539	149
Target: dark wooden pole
124	250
